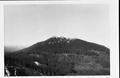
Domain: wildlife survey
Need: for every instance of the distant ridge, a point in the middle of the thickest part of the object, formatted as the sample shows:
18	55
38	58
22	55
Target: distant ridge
57	43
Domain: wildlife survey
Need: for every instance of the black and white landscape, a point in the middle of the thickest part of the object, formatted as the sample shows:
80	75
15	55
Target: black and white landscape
56	40
59	56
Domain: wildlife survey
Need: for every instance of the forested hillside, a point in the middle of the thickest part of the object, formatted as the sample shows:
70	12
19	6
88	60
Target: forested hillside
59	56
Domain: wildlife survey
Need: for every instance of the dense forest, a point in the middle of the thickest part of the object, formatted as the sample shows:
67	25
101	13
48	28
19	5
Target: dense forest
59	56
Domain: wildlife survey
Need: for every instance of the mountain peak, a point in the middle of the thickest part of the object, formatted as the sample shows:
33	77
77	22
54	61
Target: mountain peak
54	40
62	44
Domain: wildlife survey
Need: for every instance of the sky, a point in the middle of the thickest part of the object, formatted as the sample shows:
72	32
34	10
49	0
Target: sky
26	25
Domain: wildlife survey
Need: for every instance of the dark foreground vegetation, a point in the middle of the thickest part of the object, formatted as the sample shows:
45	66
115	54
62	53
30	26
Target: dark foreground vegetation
59	56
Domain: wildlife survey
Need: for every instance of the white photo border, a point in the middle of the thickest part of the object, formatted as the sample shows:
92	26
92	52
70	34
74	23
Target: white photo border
114	34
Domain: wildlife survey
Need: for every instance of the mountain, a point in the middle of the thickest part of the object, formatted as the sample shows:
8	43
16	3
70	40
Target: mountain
60	56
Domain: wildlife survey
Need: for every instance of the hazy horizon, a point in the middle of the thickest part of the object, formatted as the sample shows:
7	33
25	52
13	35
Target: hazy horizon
26	25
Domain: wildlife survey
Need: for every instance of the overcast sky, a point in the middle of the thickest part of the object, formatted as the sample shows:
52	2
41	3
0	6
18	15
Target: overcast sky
28	24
